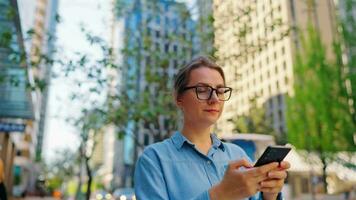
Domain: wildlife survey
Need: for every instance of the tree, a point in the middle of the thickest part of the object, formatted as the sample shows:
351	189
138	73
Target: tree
318	115
91	123
61	170
346	43
255	122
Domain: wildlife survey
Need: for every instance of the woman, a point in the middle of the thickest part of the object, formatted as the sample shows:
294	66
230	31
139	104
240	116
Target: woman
194	163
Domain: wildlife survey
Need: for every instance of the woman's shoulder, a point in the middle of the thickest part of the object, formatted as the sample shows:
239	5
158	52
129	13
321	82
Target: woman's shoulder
158	149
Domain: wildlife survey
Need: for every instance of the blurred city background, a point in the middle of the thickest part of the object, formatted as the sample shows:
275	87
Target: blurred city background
85	86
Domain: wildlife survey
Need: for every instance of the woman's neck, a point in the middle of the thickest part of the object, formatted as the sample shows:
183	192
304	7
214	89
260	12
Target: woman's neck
200	136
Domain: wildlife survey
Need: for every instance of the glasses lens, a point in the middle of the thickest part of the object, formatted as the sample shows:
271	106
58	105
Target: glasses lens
223	93
203	92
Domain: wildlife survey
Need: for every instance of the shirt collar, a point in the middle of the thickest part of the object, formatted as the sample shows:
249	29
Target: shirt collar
217	142
179	139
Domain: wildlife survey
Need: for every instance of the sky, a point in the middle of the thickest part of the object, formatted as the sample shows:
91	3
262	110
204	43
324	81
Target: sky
60	134
95	15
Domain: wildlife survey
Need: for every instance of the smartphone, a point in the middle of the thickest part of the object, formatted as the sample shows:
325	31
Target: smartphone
272	154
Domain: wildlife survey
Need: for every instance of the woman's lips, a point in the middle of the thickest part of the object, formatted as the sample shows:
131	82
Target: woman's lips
212	110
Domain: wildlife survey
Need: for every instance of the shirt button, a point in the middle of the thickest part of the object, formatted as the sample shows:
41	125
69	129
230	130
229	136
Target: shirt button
209	162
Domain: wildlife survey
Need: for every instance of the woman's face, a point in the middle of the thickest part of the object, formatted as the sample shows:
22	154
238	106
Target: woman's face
202	112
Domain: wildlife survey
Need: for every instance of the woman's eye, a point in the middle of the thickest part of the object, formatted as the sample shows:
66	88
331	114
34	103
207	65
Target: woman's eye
220	91
202	89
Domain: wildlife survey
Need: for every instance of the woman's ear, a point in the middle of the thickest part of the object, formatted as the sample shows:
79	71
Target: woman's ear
177	100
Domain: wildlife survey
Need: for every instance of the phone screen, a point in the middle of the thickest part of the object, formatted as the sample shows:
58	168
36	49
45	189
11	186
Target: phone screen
273	154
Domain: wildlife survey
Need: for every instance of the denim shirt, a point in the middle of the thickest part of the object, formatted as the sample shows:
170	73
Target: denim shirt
175	169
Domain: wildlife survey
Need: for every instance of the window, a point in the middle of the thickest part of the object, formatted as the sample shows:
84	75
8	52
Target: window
269	89
280	99
166	21
157	46
277	85
175	48
286	80
175	63
270	102
184	35
158	34
158	19
166	47
166	35
283	50
146	140
148	61
276	69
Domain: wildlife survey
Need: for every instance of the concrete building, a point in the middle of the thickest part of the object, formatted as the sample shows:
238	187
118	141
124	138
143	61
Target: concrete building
42	43
257	54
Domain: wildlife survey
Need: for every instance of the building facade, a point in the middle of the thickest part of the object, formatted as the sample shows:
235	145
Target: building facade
256	45
154	31
21	106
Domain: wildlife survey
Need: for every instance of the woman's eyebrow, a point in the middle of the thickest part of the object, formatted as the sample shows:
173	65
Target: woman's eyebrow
202	83
206	84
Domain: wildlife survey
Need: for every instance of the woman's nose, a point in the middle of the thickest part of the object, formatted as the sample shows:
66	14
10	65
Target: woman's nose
214	97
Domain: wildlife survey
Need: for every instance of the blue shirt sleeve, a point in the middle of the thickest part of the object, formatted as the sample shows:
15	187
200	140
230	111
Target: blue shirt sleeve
149	180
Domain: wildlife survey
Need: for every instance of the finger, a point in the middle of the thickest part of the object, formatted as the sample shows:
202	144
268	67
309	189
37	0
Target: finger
239	163
259	179
277	174
272	184
284	165
262	170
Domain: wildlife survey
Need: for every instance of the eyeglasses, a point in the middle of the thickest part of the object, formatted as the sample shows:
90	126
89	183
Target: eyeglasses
206	92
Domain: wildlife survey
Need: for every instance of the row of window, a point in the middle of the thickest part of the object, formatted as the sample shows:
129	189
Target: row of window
266	91
272	72
166	21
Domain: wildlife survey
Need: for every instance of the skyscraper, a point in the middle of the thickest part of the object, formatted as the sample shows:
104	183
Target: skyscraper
158	37
256	51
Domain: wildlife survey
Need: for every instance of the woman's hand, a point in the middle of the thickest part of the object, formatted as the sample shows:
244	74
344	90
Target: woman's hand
239	184
275	181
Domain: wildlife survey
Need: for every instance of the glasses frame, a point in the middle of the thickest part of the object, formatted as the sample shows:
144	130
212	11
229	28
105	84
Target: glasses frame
211	92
